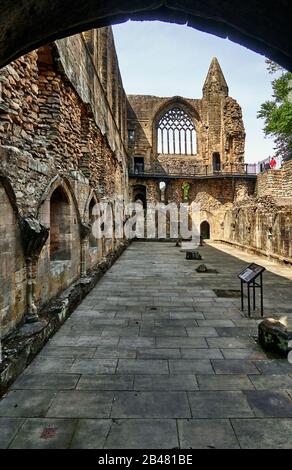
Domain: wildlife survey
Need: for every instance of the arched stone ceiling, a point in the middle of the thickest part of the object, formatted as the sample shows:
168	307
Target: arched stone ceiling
261	25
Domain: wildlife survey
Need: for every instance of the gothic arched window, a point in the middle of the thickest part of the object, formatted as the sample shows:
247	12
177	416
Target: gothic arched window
176	133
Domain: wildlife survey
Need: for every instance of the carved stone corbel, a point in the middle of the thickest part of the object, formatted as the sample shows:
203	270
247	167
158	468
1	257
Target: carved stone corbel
33	235
85	230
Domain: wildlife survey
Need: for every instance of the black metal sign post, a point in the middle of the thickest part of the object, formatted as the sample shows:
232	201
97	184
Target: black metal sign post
249	276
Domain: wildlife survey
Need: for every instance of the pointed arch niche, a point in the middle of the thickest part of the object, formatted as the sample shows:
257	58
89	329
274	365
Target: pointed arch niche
60	260
175	131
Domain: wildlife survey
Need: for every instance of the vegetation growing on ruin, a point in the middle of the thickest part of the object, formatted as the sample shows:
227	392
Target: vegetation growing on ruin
277	113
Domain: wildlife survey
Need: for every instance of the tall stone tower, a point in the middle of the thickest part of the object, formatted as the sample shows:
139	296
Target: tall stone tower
223	124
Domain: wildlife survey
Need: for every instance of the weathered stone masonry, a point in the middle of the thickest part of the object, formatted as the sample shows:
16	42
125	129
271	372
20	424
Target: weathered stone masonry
253	213
63	138
68	137
216	150
218	124
262	223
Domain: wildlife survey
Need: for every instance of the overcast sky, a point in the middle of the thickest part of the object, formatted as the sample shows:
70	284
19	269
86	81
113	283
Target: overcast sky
166	59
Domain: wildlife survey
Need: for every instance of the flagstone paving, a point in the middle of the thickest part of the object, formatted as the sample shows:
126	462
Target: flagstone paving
152	358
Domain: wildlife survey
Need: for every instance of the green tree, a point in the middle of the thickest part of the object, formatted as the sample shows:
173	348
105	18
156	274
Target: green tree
277	113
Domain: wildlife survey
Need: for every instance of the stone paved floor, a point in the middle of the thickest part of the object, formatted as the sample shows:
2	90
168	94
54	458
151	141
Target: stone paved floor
152	358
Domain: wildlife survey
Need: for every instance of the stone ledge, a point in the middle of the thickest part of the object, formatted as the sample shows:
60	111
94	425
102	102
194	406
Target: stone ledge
249	249
21	346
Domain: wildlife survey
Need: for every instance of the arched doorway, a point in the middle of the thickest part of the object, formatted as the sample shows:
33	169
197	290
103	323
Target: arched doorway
139	195
205	230
60	260
216	161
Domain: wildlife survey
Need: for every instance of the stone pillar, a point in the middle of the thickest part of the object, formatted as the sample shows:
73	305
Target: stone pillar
32	315
83	257
84	234
34	236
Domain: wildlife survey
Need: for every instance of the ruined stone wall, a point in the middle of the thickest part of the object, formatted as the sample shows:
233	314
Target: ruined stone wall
143	113
62	125
215	197
275	182
263	222
97	80
234	134
218	122
217	119
12	266
287	179
253	214
262	225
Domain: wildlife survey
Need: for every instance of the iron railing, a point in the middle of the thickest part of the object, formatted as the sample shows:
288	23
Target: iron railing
205	170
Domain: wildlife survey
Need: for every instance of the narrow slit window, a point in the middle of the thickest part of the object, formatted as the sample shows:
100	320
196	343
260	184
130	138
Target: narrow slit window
176	133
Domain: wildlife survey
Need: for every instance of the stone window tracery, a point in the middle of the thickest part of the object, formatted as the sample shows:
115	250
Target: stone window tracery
176	133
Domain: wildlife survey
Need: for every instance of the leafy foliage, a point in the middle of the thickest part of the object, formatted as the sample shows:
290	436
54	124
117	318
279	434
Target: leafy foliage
277	113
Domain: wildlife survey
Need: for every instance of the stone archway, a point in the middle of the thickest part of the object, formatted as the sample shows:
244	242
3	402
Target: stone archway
205	230
28	25
60	260
140	194
216	160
